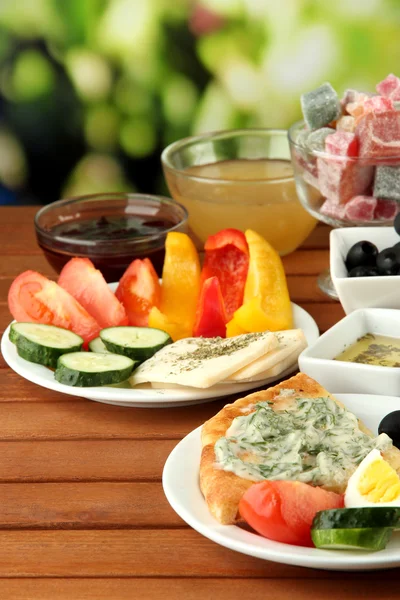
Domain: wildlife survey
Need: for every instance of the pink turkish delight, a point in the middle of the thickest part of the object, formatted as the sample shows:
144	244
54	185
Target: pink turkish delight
342	143
333	210
389	87
386	210
361	208
379	134
340	177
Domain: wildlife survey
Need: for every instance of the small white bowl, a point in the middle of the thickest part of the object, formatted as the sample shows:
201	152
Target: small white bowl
318	362
363	292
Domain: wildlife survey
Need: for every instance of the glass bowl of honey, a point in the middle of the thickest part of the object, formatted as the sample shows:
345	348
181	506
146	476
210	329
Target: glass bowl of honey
240	178
111	229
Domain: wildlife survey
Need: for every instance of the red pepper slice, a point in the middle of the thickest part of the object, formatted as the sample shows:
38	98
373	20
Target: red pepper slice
210	314
227	258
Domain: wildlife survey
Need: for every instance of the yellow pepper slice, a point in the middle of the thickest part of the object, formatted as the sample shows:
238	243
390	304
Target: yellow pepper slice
180	281
266	280
233	329
158	320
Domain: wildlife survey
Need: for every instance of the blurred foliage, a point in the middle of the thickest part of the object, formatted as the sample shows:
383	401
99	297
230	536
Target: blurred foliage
92	90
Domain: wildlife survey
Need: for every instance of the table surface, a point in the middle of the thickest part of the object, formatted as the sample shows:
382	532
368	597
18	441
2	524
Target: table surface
82	510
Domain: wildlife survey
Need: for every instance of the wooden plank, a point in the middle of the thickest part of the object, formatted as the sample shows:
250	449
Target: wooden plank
306	262
318	238
84	506
118	460
325	314
18	215
13	265
18	240
14	388
367	587
94	420
138	553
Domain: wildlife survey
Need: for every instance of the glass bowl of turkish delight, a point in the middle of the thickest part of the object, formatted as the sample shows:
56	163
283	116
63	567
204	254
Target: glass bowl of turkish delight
346	155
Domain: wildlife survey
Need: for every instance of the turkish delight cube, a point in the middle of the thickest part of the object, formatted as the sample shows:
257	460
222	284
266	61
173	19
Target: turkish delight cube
342	143
341	178
346	123
333	210
387	182
379	134
386	210
320	106
361	208
389	87
316	139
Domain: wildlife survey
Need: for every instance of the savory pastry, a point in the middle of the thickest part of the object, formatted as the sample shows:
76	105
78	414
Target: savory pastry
293	431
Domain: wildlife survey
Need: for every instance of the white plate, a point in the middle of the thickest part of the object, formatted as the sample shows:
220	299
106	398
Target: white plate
148	397
184	495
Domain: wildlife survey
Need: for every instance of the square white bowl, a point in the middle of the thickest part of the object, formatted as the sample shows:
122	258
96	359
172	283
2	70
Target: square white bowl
362	292
318	362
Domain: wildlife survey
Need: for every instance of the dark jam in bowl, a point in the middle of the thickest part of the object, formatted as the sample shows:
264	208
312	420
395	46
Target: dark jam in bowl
103	231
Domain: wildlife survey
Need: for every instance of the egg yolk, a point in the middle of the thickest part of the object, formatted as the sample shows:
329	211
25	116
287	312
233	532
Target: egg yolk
379	482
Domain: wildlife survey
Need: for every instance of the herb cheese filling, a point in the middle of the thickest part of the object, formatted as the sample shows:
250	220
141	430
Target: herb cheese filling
314	441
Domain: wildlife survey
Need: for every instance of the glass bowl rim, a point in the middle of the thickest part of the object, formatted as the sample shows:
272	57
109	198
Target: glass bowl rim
162	200
221	134
336	157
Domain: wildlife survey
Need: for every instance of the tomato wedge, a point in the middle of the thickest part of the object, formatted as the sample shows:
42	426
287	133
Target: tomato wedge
87	285
34	298
139	290
284	510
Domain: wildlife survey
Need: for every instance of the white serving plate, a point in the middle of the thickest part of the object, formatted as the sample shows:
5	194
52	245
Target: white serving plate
184	495
338	376
146	396
362	292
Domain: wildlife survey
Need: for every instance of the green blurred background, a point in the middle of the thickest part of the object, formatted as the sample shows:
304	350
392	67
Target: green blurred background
91	91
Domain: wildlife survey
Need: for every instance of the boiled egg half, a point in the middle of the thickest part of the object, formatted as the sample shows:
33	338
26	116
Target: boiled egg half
373	483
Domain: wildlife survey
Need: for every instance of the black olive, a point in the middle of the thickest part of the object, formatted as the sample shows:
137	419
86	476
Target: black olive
361	254
387	262
363	272
391	426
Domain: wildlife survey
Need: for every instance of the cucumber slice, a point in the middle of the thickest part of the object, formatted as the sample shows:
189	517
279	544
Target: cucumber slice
87	369
370	539
139	343
357	518
43	344
97	345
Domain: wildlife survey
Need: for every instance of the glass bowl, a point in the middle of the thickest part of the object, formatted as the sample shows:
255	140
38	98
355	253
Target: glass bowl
317	175
240	178
111	229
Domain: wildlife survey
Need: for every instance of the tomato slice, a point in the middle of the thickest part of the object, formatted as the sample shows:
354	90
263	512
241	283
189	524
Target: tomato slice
283	511
87	285
34	298
139	290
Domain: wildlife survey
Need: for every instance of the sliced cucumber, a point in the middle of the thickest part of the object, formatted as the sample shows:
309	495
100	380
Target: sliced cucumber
97	345
357	518
87	369
139	343
43	344
370	539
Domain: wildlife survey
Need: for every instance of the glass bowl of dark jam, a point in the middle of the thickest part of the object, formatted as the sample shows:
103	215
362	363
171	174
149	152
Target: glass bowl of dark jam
111	229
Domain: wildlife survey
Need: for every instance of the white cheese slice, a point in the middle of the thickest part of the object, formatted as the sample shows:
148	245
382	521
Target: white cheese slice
290	341
203	362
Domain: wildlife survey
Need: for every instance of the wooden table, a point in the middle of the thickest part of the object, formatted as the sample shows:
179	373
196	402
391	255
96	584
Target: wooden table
82	510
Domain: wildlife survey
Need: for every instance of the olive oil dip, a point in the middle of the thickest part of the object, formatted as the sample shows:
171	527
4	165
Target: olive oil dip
373	349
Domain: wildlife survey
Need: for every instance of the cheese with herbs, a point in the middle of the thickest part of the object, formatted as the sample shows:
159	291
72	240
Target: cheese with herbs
203	362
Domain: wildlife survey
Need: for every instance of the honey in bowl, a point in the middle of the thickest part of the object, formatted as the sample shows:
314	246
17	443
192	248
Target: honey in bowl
240	179
373	349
